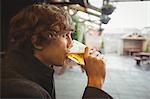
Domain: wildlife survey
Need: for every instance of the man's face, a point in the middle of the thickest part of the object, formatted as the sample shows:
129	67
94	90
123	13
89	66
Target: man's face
56	51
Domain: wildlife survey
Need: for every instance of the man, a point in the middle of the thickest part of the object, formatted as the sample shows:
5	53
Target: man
40	37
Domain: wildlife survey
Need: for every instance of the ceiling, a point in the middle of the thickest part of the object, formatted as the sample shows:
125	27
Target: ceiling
90	8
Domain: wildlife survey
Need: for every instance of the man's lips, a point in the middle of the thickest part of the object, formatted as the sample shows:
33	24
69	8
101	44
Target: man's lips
66	54
68	51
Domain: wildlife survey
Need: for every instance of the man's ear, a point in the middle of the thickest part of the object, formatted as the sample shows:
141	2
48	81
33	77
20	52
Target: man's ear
35	44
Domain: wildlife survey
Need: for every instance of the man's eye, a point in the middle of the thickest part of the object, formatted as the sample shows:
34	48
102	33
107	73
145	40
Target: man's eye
65	36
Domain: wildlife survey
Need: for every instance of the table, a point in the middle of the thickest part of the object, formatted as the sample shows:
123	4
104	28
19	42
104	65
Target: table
141	56
133	51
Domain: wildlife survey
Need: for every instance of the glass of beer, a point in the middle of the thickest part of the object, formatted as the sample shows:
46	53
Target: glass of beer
76	52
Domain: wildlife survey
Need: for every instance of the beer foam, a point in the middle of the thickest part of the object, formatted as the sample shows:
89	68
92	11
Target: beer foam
78	47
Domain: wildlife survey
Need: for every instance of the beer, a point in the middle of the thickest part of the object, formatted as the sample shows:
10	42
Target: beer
77	52
77	57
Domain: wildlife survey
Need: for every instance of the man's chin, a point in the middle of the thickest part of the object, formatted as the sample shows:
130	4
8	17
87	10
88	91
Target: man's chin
59	64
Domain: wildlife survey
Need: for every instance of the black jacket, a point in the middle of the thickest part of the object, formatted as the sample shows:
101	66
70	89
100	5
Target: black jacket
24	76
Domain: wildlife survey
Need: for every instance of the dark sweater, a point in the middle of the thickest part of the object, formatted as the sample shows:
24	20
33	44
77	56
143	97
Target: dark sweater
24	76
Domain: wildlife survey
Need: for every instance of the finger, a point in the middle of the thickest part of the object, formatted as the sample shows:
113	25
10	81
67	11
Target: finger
86	52
95	54
91	51
100	56
82	67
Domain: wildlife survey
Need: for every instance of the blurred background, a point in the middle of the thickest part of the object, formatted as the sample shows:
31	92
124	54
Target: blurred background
118	29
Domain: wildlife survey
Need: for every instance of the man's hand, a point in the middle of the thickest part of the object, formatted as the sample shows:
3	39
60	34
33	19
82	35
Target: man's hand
95	69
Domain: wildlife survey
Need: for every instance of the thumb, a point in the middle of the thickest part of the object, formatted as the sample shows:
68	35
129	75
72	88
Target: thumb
86	52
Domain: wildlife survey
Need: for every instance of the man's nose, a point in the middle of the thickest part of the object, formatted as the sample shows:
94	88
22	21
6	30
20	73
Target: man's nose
70	44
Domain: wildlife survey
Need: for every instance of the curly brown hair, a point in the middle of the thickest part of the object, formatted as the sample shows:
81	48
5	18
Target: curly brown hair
42	20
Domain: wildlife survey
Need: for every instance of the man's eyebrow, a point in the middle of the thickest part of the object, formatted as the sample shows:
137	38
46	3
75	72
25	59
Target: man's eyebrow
72	30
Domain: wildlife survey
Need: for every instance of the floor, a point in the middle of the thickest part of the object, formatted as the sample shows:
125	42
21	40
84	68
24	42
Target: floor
124	80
